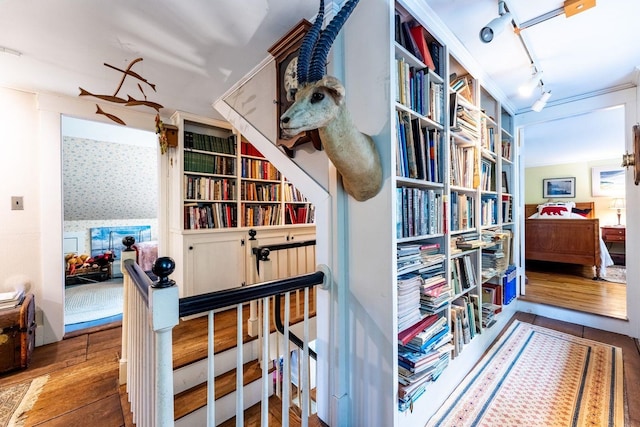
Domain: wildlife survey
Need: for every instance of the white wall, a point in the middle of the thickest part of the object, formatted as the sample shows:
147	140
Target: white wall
31	240
20	231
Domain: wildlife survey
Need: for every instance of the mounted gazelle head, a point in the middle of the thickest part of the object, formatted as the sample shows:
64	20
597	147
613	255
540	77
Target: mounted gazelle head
319	104
313	107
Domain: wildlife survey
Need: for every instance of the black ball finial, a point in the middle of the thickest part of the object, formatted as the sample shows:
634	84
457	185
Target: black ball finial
252	234
162	268
128	241
264	254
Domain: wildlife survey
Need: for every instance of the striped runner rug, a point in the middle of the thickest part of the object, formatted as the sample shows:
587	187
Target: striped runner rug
533	376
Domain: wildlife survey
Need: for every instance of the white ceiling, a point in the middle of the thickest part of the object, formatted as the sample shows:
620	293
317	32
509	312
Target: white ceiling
195	51
593	52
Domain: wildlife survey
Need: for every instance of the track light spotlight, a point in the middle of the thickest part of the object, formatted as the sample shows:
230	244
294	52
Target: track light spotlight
527	88
541	102
497	25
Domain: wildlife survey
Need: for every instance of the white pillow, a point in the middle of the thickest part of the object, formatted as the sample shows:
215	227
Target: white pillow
570	216
556	210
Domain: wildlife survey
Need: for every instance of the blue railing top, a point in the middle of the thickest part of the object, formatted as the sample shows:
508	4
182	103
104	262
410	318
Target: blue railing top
220	299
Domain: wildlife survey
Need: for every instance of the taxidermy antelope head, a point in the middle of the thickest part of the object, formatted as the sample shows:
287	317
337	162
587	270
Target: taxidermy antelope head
320	104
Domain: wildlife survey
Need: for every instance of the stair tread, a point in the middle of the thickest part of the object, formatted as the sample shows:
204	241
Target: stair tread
196	397
190	336
252	416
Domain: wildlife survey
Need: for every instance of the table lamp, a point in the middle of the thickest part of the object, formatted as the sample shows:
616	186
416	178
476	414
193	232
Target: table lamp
618	205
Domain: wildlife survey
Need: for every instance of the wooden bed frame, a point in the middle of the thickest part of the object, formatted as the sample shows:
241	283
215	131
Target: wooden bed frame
572	241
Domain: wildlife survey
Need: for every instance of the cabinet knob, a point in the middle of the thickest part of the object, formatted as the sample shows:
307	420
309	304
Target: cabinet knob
190	248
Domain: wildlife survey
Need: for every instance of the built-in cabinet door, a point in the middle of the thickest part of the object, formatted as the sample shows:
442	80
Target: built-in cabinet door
214	264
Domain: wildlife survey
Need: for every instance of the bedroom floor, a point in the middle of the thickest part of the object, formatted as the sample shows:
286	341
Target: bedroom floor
573	287
92	304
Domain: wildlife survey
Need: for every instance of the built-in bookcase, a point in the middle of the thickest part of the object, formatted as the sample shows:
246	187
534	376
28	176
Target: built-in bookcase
454	173
227	183
218	187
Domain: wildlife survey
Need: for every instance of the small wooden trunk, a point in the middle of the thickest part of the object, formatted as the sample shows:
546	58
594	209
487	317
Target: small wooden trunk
17	335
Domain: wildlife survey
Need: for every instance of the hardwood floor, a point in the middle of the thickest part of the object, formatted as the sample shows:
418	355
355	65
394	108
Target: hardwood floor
573	287
83	377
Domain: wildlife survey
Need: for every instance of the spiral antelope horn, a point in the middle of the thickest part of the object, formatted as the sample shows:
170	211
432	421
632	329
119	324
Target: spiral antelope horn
323	45
306	48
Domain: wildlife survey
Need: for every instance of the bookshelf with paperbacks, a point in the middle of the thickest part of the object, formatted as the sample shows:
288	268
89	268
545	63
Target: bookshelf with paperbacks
454	163
219	187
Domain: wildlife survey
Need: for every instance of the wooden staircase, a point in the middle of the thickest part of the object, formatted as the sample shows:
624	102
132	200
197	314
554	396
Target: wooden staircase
190	370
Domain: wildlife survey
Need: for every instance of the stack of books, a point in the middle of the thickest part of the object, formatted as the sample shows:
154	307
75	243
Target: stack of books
409	300
424	352
489	311
435	290
11	299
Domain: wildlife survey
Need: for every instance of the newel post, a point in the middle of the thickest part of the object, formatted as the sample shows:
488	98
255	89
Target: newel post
164	312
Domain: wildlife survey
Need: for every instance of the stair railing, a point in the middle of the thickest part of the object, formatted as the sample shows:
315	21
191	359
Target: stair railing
289	256
151	311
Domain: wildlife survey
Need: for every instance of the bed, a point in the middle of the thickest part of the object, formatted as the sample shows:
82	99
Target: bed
565	233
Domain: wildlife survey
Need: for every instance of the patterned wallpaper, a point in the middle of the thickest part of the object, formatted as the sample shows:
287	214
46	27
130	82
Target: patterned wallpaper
84	228
107	180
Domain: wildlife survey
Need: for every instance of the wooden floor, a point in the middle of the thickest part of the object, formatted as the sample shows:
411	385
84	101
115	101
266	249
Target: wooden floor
573	287
83	376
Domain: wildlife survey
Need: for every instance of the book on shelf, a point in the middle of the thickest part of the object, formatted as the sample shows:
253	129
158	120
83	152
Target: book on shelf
476	307
464	307
420	149
411	385
463	85
435	339
203	142
506	149
505	182
411	146
247	149
408	300
469	244
456	332
418	34
420	210
399	36
492	293
435	49
433	299
409	41
422	360
412	331
464	272
489	310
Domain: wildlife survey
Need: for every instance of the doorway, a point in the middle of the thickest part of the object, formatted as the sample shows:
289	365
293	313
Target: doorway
580	146
110	186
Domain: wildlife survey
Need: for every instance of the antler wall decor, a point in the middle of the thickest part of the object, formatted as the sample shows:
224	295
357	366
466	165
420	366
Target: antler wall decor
130	101
320	104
